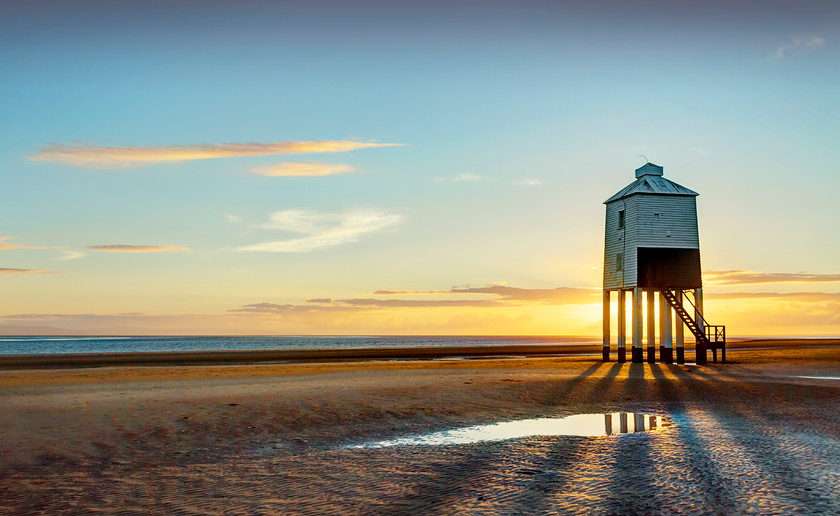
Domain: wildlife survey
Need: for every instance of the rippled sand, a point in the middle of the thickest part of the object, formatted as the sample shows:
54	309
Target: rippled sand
752	436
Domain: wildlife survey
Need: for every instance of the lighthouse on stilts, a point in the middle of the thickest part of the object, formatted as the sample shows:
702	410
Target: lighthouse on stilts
652	246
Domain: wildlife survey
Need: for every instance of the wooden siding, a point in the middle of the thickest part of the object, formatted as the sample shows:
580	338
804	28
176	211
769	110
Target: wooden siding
620	241
677	215
662	215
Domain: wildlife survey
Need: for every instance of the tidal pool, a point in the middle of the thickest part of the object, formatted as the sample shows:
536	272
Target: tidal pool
579	425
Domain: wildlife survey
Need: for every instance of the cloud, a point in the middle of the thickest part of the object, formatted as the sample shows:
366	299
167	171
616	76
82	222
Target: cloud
403	292
130	324
277	308
527	182
124	248
742	277
291	169
805	297
463	177
771	312
322	229
559	295
798	45
93	156
415	303
502	296
71	255
232	218
554	296
701	151
5	270
18	246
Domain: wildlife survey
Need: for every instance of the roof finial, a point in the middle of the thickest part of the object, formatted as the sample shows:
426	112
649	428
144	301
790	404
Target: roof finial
645	158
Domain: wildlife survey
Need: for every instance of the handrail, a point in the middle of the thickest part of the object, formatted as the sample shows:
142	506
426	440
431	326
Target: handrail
696	312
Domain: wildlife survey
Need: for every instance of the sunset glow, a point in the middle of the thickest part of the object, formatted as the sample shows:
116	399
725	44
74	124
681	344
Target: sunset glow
296	168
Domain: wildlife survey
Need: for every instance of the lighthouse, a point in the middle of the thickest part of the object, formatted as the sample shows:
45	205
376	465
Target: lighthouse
652	249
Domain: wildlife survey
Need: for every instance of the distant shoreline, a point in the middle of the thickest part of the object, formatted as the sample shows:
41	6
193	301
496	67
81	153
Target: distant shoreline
169	358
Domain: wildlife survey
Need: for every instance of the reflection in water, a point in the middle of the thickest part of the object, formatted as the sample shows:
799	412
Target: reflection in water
582	425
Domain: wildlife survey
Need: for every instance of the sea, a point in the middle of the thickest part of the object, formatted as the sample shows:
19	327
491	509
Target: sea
31	345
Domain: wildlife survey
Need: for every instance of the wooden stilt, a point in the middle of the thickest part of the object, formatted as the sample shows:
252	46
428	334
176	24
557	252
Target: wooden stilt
638	422
605	354
651	327
680	326
622	422
608	424
637	357
666	344
700	346
622	327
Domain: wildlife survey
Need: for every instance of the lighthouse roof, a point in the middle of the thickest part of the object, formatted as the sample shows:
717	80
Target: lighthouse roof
649	180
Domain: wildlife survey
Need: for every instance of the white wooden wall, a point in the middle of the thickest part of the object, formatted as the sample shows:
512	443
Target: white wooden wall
642	228
674	227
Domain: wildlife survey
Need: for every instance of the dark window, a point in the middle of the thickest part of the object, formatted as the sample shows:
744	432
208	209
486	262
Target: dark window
619	260
620	219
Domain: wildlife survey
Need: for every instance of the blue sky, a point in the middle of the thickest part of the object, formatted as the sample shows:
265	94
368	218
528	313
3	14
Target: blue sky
514	122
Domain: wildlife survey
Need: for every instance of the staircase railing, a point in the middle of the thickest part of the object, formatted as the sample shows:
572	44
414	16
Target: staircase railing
708	336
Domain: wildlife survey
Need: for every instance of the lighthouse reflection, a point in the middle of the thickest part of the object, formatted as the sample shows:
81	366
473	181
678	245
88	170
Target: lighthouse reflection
631	422
581	425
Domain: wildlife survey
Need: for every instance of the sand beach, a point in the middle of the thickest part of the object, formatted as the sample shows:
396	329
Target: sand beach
760	434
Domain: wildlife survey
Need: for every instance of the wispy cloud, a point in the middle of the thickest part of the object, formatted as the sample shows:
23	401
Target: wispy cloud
701	151
798	45
814	312
404	292
527	182
742	277
555	296
503	292
125	248
4	245
495	296
4	270
463	177
232	218
95	156
71	255
805	297
290	169
322	229
278	308
414	303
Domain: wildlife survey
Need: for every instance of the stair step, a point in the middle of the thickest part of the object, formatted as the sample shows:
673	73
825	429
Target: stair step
684	315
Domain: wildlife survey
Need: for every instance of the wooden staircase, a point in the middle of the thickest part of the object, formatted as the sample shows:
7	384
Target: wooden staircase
708	336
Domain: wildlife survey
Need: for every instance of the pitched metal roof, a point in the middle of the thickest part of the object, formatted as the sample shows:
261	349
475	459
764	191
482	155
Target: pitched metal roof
650	181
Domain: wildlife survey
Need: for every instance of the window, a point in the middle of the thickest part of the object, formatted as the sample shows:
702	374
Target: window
656	217
619	261
620	219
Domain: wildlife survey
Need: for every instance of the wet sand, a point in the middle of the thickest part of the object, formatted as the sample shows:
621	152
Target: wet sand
757	435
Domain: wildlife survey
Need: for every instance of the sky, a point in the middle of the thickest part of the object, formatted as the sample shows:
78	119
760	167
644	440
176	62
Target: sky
367	168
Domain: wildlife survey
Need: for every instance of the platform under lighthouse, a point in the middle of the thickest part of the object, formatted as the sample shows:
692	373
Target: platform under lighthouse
652	249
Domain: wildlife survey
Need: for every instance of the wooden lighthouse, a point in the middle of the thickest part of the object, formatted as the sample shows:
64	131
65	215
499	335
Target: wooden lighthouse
652	247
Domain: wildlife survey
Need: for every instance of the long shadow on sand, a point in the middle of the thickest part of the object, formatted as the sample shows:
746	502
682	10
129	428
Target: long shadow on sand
632	456
700	462
456	481
751	431
562	389
565	454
